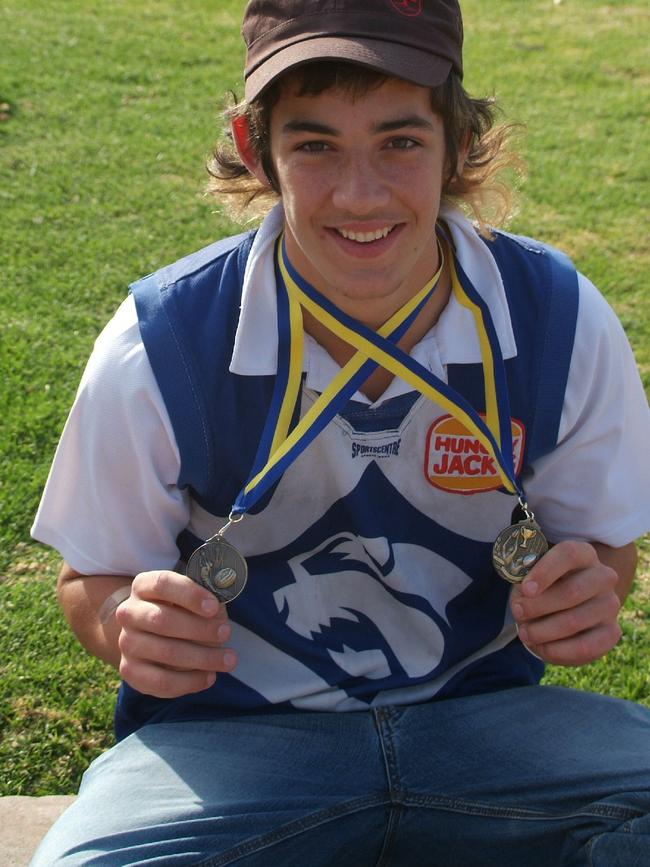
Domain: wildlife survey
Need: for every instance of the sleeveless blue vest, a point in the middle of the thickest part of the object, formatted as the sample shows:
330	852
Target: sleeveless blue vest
188	315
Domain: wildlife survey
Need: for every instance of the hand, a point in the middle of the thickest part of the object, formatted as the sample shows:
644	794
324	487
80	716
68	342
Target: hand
172	632
567	608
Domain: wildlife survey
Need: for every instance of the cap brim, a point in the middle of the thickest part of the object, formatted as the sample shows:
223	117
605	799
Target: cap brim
411	64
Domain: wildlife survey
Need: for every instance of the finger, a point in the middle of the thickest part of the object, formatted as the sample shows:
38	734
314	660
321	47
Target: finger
570	591
175	654
170	621
602	609
580	649
175	589
164	683
564	557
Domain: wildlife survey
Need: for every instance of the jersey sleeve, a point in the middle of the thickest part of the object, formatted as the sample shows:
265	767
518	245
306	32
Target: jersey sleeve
111	504
595	485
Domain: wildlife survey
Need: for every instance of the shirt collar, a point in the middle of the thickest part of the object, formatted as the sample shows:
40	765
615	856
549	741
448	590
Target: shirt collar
255	351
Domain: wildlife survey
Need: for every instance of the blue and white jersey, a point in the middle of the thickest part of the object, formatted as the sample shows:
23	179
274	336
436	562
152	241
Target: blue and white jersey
370	575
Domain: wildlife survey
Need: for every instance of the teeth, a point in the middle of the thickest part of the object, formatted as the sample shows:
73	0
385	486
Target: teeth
365	237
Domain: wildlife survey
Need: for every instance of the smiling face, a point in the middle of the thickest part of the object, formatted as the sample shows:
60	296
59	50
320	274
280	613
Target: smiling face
361	181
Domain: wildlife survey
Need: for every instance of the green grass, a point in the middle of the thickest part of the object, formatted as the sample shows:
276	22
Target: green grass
107	115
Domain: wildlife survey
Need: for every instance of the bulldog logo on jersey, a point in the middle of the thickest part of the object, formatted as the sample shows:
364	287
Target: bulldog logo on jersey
407	7
340	617
457	462
349	599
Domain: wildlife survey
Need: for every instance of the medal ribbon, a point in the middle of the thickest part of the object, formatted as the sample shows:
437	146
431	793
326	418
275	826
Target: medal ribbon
278	449
392	358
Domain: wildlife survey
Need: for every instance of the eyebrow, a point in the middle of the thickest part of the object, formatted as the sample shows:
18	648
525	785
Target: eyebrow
413	120
410	121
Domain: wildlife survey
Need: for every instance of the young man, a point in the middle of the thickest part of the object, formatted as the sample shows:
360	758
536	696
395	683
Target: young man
395	412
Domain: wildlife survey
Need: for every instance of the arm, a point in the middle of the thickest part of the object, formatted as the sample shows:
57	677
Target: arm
595	483
166	638
81	597
567	608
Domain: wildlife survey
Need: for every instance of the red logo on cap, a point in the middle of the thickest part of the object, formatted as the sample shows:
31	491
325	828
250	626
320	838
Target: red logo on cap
408	7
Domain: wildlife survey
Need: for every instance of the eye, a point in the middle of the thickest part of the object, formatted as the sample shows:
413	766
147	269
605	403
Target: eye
313	147
402	143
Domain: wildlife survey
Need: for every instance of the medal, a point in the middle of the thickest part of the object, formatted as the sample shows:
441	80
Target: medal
219	567
518	547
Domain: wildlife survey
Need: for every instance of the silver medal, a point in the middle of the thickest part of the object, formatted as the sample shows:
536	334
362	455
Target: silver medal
518	548
220	568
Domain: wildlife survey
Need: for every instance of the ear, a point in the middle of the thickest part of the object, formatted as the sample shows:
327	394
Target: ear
240	128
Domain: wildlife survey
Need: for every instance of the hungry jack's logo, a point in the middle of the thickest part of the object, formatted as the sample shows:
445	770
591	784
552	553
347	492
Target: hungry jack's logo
456	461
407	7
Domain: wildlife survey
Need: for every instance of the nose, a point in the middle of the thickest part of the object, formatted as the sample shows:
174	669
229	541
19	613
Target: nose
360	188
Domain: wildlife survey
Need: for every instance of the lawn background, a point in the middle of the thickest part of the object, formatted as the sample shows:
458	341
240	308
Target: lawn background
107	114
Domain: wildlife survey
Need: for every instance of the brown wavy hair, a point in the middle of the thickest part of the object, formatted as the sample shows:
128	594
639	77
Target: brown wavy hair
479	187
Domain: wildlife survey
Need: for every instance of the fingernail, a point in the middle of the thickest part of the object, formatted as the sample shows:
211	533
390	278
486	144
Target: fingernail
210	606
210	679
518	611
523	633
530	588
229	659
223	632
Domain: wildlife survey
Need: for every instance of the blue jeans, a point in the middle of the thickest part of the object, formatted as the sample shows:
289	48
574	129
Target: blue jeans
535	776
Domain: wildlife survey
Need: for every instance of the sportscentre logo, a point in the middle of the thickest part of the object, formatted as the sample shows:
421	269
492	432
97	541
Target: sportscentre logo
376	450
456	461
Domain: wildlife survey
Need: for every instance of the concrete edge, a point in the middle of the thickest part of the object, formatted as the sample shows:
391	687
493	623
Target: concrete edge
24	821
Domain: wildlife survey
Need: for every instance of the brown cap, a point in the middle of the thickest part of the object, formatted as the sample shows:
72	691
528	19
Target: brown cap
418	40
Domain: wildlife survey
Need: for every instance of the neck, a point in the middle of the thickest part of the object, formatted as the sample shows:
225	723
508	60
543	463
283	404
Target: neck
342	352
368	290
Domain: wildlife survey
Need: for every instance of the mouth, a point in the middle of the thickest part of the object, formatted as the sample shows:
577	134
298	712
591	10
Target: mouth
366	242
366	237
